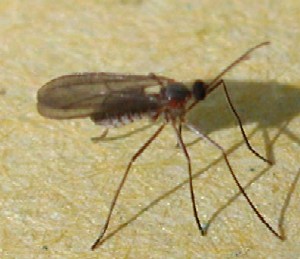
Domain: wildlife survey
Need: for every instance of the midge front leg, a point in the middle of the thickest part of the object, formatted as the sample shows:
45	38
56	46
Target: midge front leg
187	156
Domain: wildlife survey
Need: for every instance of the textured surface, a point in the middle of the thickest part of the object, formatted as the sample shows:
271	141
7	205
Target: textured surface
56	184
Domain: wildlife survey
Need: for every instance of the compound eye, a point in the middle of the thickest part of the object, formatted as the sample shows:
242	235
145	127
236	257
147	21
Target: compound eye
199	90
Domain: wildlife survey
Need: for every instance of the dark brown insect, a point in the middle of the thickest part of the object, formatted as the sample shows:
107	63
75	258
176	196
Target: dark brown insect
111	99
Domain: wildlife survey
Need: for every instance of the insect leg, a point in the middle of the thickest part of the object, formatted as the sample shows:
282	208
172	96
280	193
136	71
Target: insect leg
186	154
221	82
261	218
180	132
101	137
128	134
113	203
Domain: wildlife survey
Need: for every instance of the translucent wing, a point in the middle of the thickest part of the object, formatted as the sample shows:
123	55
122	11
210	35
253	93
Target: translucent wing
86	94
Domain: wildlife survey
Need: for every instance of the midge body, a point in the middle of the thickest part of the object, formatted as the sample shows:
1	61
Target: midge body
111	99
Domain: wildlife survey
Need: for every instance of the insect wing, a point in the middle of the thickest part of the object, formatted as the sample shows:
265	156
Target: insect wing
81	95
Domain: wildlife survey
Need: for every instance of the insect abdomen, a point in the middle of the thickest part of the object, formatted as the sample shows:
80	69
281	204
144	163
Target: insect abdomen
120	113
118	120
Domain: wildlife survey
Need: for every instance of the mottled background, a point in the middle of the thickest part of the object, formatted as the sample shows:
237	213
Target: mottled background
56	184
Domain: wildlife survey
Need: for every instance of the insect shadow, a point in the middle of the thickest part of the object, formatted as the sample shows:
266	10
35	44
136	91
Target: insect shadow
267	104
270	105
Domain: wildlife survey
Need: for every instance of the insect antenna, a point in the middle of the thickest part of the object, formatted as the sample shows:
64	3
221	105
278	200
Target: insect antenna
219	81
216	81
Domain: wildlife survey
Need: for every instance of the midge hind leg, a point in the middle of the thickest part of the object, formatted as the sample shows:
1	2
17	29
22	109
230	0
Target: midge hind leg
197	131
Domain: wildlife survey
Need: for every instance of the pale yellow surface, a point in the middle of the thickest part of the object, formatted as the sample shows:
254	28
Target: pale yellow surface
56	184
